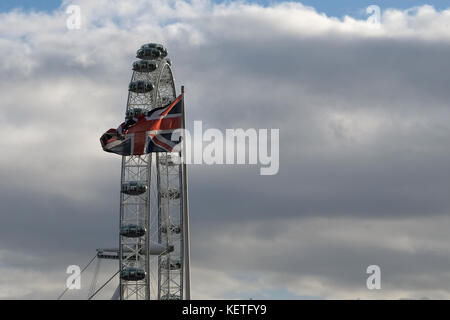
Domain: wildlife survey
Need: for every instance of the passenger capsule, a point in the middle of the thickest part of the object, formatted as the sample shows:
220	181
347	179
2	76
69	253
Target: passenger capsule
148	54
134	112
156	46
140	86
145	66
133	188
132	274
132	231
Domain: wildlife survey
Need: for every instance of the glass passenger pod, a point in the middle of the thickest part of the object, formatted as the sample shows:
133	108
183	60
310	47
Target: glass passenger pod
145	66
156	46
133	188
134	113
132	231
132	274
140	86
171	194
148	54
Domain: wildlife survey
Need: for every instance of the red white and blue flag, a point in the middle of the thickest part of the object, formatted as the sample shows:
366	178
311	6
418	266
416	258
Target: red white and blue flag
146	133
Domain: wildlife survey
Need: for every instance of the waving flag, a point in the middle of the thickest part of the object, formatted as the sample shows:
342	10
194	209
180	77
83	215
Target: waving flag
146	133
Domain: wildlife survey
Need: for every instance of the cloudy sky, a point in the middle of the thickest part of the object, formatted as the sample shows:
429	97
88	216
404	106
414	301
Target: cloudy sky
364	127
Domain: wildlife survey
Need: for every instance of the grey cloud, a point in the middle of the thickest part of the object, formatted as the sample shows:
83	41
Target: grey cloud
363	122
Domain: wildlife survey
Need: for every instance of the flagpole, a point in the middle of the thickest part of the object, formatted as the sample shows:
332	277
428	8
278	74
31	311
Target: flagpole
186	234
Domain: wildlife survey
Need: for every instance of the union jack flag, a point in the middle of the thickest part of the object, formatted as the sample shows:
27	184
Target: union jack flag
146	133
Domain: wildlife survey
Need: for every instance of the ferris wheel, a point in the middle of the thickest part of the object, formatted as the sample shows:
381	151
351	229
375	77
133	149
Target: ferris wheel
153	251
154	237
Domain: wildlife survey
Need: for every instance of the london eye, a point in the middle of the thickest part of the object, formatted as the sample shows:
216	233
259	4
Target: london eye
153	250
154	243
